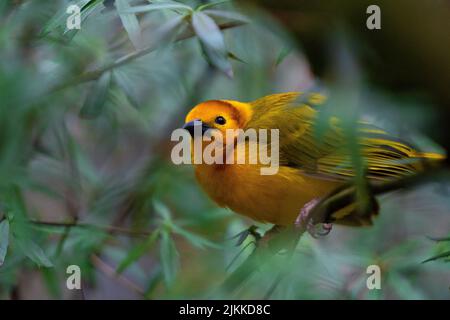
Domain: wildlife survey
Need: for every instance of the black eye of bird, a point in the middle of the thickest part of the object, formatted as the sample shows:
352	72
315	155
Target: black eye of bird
220	120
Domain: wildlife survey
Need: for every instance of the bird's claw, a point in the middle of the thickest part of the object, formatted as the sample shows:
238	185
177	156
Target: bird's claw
315	230
324	229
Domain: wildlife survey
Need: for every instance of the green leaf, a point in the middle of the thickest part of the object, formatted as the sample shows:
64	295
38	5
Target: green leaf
60	19
130	23
232	56
162	210
91	4
169	258
16	213
212	4
217	59
34	252
52	282
166	32
285	51
16	210
138	251
153	282
229	15
122	80
437	239
208	31
4	240
96	98
156	6
212	41
194	239
438	256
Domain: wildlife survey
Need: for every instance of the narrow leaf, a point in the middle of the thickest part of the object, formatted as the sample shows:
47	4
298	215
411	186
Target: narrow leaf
60	18
168	30
232	56
439	256
34	252
4	240
52	282
96	98
122	80
138	251
229	15
217	59
130	23
284	52
162	210
213	44
169	258
156	6
58	22
437	239
153	282
212	4
208	31
194	239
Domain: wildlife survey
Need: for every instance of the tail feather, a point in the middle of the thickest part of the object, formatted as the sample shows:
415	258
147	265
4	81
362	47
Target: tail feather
430	156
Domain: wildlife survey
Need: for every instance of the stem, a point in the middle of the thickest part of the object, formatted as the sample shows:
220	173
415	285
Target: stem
109	229
111	272
287	238
95	74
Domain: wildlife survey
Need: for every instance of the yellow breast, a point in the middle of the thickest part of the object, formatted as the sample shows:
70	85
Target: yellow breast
277	198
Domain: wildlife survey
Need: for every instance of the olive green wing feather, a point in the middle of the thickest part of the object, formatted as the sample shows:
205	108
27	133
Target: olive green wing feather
384	156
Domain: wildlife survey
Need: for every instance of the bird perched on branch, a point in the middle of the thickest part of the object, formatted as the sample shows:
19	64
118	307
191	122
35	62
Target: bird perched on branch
309	168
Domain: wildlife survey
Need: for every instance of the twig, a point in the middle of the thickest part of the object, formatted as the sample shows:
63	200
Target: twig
111	272
95	74
109	229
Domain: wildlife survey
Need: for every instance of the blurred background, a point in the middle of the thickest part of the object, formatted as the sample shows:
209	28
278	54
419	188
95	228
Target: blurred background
86	115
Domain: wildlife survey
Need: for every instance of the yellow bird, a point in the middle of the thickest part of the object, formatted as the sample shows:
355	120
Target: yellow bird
309	168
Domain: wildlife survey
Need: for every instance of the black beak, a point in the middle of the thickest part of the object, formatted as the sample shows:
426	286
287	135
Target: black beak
192	125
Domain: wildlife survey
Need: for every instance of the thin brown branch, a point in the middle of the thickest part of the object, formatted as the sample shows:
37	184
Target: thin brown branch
108	229
111	272
95	74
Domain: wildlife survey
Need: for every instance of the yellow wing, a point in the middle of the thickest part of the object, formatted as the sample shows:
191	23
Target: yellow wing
385	157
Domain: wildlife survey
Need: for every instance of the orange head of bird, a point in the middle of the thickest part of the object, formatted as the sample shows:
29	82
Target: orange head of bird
218	114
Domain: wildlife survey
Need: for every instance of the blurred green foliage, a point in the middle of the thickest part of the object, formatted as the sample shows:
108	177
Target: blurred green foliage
85	170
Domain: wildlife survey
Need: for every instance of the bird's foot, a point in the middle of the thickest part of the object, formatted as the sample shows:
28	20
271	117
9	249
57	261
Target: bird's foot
315	230
323	229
